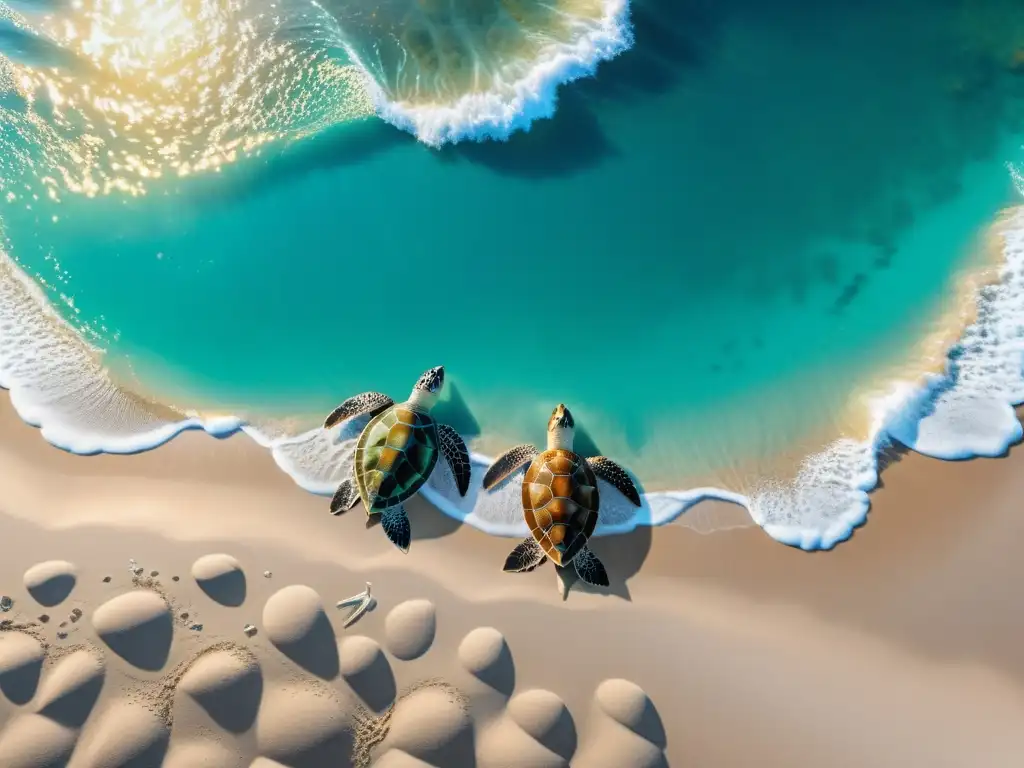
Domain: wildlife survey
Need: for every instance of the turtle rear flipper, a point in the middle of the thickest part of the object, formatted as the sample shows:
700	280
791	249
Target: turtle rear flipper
345	497
590	569
395	523
525	557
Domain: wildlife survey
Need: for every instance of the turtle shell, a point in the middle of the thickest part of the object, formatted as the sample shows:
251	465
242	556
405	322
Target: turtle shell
560	503
395	455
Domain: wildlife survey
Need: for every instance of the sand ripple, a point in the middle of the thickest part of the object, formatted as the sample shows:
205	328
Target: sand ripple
137	627
51	582
409	629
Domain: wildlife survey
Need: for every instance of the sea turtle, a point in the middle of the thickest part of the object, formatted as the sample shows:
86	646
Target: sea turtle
396	452
560	501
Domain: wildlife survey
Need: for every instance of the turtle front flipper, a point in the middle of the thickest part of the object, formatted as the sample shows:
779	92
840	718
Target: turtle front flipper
525	557
454	449
590	569
395	523
507	463
612	473
367	402
345	497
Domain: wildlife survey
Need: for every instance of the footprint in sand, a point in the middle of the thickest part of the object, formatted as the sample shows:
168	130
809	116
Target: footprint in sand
138	627
50	583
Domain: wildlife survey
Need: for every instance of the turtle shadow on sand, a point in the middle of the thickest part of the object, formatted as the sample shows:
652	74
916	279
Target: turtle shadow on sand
454	411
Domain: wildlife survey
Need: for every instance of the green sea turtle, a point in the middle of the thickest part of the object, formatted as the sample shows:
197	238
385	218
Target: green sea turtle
560	501
396	452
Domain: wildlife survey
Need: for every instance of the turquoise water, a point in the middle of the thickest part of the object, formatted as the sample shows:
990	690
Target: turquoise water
712	246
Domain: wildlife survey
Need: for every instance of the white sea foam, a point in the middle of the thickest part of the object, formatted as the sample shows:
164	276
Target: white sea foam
513	103
58	384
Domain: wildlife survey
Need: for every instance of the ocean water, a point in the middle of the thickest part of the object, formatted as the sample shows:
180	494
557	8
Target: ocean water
743	243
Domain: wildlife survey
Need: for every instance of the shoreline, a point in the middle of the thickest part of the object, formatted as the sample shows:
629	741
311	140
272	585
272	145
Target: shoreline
731	620
315	459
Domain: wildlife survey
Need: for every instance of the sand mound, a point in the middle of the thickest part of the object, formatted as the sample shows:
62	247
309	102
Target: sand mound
300	724
137	626
202	754
629	705
504	744
295	622
34	741
127	734
69	691
221	577
21	662
228	685
51	582
367	672
544	716
266	762
432	724
409	629
395	758
485	655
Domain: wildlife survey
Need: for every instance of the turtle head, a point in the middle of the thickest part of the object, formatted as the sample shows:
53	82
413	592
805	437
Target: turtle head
560	428
428	386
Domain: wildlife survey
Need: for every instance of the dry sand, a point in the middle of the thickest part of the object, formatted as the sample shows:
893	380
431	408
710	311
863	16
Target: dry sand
134	580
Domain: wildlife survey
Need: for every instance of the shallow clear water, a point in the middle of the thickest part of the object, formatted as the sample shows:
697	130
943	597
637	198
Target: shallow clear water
737	227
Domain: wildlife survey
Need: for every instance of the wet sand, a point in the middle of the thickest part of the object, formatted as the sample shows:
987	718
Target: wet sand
900	647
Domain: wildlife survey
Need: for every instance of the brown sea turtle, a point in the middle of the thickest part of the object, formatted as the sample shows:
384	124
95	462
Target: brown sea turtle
396	452
560	501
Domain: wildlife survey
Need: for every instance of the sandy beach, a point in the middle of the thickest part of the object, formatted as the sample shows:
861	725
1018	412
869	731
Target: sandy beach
178	608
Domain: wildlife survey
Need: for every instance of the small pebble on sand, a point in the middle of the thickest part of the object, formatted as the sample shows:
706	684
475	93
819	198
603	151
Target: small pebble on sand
154	574
62	635
196	627
106	579
44	618
175	578
76	614
249	630
184	617
63	624
6	603
267	574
